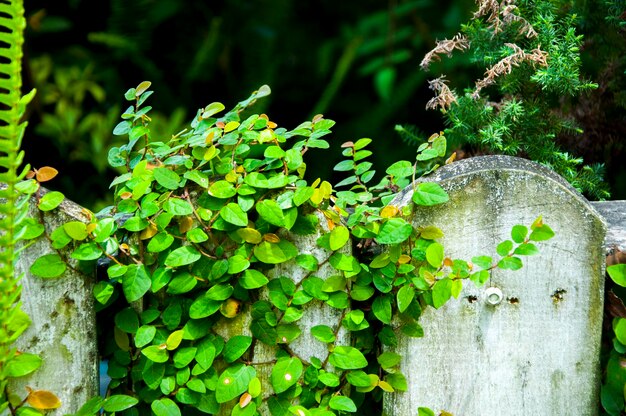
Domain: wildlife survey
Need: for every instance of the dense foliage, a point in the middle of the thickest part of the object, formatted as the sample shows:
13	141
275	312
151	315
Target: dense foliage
200	222
211	288
531	54
362	70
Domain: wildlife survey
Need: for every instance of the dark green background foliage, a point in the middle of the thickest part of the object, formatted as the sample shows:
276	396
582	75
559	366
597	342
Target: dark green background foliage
357	63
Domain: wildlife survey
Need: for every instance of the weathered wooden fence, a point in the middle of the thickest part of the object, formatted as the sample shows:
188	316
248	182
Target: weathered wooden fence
525	343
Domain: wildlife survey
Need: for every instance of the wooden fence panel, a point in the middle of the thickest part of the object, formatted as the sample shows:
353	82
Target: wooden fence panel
527	342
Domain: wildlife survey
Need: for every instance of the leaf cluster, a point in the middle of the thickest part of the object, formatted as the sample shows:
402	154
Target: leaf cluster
531	53
203	317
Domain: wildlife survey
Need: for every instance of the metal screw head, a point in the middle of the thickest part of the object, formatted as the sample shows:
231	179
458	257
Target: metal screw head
494	296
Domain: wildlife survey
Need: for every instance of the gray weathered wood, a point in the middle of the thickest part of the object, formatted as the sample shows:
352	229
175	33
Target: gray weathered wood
63	329
614	213
537	352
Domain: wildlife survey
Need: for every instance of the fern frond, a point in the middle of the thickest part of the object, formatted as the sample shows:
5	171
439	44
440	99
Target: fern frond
14	206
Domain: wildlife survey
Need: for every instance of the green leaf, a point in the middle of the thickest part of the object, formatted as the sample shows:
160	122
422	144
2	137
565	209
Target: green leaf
205	353
329	379
91	407
253	279
429	194
104	229
181	283
219	292
484	262
263	331
236	347
274	253
394	231
361	293
182	256
285	373
160	242
347	358
294	159
165	407
344	165
212	109
620	330
288	332
442	292
405	296
344	262
400	169
156	353
380	261
389	359
197	235
237	264
48	266
233	214
136	282
510	263
342	403
274	152
119	402
222	189
166	178
435	255
183	356
526	249
301	195
127	320
22	364
145	335
103	291
76	229
427	154
51	200
617	272
504	248
323	333
177	206
203	306
431	232
339	236
361	143
358	378
135	224
381	307
271	212
198	177
233	382
541	233
87	251
307	261
519	233
424	411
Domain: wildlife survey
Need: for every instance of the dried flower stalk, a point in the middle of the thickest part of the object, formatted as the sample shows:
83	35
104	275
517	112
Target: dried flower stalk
505	65
446	46
444	95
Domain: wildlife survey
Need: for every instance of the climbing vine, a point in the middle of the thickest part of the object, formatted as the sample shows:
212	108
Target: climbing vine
210	284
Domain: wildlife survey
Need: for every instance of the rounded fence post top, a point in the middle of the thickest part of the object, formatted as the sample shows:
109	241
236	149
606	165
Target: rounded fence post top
482	164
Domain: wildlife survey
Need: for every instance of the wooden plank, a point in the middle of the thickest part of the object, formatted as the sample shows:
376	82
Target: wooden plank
536	352
63	329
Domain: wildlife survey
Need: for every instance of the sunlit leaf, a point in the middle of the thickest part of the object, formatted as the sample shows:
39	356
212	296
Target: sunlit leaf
48	266
50	201
43	399
46	173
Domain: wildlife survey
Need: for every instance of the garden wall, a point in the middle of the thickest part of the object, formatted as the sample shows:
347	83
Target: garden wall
525	343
